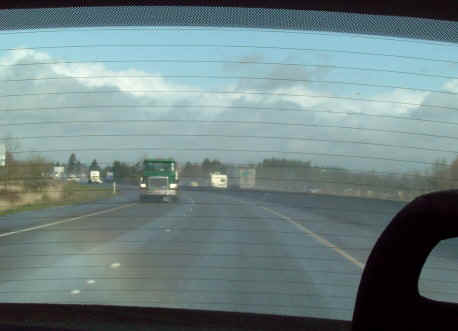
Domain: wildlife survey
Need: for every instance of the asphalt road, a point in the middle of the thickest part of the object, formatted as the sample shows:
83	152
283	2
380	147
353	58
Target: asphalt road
267	253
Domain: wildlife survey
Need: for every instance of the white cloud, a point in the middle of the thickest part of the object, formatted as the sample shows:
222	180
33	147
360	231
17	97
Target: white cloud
399	102
239	103
131	81
451	86
19	55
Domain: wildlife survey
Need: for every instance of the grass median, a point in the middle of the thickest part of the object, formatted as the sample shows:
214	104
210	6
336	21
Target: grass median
68	194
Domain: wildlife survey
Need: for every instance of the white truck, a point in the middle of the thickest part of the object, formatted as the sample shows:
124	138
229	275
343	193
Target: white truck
242	177
218	180
247	178
58	172
94	177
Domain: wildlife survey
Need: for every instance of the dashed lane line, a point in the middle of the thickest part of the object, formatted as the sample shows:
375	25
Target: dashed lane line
68	220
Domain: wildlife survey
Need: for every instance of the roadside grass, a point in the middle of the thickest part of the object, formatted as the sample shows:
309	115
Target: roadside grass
73	193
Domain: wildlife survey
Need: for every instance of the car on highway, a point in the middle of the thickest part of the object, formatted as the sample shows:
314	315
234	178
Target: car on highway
73	178
311	146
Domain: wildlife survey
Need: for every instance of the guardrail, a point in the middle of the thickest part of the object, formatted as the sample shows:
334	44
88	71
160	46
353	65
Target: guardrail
290	193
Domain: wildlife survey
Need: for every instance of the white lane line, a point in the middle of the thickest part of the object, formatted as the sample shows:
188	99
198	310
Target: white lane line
192	203
318	238
68	220
91	281
315	236
75	292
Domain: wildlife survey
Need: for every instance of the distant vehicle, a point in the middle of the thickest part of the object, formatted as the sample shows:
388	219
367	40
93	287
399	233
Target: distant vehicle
247	178
109	176
218	180
73	178
159	180
242	177
94	177
58	172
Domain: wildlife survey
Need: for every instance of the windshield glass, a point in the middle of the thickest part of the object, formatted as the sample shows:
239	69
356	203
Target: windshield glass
157	166
319	139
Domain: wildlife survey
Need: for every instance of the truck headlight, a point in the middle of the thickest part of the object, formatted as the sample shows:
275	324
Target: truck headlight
173	186
142	185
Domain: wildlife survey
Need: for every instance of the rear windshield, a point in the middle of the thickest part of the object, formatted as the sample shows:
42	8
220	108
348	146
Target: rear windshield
320	139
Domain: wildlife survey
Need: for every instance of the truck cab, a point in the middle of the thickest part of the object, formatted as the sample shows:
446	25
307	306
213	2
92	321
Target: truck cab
159	180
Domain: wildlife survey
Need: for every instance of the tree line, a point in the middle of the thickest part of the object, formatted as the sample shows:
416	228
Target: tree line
271	173
121	170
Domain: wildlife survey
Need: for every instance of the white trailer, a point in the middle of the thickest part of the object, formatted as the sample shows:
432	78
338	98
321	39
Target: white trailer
218	180
94	177
242	177
247	178
58	172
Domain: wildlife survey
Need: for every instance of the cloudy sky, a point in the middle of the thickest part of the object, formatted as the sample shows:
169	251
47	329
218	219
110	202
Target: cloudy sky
232	94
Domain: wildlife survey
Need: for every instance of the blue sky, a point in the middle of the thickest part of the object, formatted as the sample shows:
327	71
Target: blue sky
245	37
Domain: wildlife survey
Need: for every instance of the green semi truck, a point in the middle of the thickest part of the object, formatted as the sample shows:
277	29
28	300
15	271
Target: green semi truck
159	180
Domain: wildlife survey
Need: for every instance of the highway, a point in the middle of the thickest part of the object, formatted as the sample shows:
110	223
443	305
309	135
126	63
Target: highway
238	251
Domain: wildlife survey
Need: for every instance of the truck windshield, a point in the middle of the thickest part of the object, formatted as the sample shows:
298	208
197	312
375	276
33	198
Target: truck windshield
157	166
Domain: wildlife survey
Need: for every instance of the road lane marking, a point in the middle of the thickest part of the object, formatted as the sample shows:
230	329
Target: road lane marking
75	292
192	203
91	281
318	238
309	232
68	220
